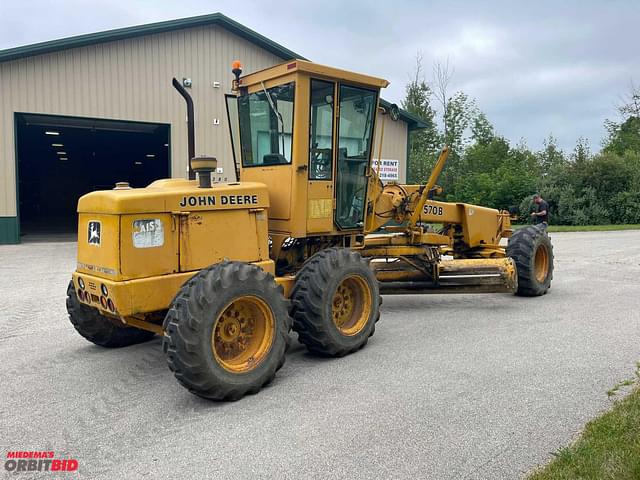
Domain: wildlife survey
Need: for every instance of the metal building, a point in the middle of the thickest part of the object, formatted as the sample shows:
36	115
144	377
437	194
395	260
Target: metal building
80	113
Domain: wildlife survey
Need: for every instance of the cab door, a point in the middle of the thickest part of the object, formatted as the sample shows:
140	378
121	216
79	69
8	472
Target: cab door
320	192
357	108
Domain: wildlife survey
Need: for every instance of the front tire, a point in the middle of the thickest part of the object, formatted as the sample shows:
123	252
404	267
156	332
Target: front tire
226	332
99	329
336	302
531	250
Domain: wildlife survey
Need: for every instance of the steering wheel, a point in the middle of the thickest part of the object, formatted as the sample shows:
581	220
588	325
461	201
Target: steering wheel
321	163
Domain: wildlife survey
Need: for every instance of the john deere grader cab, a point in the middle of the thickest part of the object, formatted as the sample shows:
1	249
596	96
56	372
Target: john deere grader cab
308	238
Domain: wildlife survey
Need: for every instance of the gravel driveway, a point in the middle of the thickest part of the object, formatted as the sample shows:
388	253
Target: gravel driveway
456	386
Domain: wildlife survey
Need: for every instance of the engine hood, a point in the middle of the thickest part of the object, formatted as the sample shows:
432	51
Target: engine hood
175	195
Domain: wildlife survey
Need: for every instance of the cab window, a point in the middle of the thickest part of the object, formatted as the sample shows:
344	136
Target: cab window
266	126
355	131
321	130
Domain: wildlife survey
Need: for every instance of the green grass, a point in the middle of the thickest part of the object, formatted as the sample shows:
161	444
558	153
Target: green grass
586	228
609	447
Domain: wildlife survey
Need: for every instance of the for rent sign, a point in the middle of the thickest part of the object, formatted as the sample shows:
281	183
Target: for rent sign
388	170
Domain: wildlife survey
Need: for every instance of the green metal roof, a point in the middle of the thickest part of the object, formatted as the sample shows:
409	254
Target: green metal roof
149	29
161	27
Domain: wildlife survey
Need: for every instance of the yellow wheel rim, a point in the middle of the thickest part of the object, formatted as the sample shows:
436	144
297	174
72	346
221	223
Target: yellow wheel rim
243	334
351	305
541	263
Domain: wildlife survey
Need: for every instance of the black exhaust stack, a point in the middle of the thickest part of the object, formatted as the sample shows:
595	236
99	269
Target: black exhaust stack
191	135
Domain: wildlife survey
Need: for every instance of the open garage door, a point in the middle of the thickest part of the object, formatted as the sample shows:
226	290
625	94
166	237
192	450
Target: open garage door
62	158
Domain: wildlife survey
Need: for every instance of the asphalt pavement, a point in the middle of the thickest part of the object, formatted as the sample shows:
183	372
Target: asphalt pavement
450	386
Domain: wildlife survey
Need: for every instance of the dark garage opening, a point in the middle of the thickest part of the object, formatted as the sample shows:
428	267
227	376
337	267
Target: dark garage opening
62	158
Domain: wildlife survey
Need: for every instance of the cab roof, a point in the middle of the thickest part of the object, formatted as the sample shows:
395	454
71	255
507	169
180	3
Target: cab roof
312	68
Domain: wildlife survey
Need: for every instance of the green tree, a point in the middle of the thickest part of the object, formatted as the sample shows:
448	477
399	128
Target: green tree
496	175
482	131
459	116
623	136
550	154
581	153
457	119
483	168
424	143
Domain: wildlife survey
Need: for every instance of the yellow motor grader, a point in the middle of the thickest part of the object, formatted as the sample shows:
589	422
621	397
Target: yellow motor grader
308	238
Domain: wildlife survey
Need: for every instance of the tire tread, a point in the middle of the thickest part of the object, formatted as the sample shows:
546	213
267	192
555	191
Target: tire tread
309	297
186	320
522	248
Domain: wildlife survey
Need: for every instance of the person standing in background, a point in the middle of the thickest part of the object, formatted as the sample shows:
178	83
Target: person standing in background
541	215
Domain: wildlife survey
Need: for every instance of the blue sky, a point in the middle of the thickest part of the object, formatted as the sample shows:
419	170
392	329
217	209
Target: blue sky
534	68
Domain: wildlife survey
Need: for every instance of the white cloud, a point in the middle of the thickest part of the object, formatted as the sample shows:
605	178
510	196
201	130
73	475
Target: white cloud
471	42
534	68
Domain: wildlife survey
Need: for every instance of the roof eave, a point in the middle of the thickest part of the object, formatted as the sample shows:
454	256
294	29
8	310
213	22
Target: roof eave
148	29
413	122
225	22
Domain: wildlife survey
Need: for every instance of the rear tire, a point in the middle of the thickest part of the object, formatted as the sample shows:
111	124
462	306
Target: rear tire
335	302
531	250
227	331
99	329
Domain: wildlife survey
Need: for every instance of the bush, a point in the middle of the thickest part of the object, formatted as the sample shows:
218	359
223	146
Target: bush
581	188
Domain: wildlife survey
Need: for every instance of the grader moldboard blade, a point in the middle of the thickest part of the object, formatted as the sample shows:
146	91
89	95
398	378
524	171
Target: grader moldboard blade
454	276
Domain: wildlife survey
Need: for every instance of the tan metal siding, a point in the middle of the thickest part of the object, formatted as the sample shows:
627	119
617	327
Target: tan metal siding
394	145
130	80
